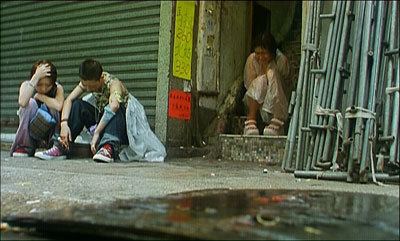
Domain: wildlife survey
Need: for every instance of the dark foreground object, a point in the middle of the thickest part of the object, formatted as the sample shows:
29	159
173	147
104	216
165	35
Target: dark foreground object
224	214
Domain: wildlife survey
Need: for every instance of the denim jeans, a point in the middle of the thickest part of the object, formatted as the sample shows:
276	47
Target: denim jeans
84	114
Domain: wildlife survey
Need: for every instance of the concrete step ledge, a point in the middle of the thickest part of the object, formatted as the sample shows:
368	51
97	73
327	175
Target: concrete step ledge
252	148
7	137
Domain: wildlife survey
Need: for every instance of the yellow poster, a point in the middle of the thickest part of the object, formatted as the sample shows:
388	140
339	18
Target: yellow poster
183	39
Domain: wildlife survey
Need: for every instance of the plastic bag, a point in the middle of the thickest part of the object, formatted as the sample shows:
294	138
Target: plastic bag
143	143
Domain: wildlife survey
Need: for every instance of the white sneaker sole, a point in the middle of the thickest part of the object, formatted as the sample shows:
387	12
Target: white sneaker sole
101	158
40	155
15	154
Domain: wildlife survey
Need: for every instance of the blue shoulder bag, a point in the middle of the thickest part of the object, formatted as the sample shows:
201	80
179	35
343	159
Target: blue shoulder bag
42	124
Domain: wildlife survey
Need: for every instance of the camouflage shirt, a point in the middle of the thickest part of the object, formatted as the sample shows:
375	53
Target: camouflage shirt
103	96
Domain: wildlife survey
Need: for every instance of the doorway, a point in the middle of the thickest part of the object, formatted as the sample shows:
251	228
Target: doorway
283	19
261	20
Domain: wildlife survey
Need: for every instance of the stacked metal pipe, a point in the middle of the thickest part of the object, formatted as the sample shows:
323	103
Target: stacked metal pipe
345	111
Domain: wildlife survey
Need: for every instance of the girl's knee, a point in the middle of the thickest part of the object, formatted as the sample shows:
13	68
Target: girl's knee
31	107
32	104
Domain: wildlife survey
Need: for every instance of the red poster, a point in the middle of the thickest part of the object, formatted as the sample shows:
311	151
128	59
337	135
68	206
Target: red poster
179	105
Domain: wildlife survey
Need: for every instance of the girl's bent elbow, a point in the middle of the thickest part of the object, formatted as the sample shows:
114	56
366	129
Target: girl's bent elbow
23	104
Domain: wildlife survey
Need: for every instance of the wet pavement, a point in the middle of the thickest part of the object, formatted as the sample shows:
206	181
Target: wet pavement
32	187
227	214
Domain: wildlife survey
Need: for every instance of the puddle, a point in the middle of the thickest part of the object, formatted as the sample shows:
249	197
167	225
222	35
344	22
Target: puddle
229	214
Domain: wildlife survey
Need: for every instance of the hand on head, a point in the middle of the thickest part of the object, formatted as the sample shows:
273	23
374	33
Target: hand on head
42	71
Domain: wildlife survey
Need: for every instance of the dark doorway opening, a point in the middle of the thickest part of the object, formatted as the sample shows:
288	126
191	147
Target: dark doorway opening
261	20
288	17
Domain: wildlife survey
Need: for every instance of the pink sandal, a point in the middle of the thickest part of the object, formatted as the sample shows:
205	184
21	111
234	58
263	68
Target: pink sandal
250	128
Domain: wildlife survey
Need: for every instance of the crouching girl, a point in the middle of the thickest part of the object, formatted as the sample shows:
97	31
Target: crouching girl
39	94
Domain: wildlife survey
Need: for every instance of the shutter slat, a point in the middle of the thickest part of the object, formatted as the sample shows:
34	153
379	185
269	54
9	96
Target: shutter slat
59	30
106	43
40	11
123	36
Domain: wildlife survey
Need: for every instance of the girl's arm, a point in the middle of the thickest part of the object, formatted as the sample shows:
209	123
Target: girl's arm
26	91
28	87
54	103
249	71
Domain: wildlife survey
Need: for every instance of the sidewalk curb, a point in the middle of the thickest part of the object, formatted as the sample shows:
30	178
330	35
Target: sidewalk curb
82	149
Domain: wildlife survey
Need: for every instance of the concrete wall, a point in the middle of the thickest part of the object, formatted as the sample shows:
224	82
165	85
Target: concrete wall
234	48
235	43
180	132
163	70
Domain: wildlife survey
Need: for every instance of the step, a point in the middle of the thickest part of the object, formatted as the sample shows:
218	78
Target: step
246	148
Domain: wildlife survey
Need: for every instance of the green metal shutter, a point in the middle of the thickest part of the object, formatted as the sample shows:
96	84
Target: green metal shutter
123	36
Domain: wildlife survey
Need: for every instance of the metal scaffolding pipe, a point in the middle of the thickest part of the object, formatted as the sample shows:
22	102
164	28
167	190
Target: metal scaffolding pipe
333	81
342	176
364	75
291	139
300	143
386	116
393	153
353	84
377	56
354	78
343	51
331	59
311	160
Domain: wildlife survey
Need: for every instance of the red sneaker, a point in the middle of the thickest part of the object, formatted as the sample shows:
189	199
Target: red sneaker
20	152
104	154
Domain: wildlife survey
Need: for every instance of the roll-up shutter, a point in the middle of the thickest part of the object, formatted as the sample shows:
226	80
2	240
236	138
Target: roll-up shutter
123	36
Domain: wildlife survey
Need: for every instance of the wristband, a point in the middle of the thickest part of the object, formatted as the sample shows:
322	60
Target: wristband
108	114
66	119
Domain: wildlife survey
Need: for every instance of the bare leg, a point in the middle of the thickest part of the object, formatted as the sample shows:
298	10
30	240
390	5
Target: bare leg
253	106
250	127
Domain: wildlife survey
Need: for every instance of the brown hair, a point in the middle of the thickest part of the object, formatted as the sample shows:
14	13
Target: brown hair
90	69
53	70
269	42
266	41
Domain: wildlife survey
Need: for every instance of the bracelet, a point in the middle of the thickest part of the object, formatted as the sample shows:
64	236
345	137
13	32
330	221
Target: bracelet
66	119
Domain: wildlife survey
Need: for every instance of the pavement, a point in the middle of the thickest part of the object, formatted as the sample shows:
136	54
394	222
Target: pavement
30	185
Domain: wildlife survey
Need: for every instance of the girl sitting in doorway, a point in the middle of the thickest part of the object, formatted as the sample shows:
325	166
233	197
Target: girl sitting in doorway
265	94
